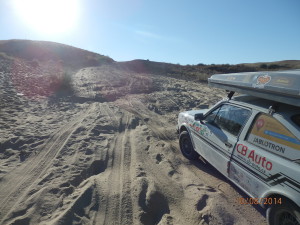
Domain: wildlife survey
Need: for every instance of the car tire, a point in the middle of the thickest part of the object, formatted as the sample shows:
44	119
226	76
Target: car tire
285	213
186	146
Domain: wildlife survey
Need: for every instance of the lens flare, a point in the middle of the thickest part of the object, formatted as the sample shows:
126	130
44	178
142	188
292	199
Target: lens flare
48	16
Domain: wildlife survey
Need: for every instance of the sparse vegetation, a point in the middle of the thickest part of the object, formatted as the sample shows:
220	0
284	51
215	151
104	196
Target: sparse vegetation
66	87
4	56
263	66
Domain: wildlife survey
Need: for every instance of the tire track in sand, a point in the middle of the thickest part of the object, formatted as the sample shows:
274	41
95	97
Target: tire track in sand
153	120
14	185
118	201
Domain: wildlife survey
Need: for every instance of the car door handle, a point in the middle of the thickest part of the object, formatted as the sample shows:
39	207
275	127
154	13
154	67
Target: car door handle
228	144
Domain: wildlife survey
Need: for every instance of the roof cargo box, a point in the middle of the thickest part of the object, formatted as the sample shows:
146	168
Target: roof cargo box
280	86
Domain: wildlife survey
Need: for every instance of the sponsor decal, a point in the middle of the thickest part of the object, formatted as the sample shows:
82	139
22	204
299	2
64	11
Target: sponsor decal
259	124
231	78
272	131
271	179
261	81
201	129
282	137
242	179
253	159
283	81
273	146
269	145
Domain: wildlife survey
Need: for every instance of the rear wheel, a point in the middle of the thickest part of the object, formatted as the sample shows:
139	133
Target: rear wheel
286	213
186	146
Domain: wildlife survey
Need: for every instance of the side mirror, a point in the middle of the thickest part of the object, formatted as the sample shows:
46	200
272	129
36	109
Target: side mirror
199	117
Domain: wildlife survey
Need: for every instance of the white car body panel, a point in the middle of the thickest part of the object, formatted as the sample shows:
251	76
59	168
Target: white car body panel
257	171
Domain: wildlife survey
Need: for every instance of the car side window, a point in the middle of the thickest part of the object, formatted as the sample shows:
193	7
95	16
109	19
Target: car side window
229	118
269	134
296	119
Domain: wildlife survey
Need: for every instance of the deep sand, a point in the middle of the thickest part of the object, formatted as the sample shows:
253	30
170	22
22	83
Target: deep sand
109	154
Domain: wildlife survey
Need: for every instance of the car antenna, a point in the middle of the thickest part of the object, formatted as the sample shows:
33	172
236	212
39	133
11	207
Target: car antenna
230	94
273	108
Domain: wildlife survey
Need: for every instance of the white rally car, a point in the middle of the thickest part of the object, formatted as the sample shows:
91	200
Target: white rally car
253	139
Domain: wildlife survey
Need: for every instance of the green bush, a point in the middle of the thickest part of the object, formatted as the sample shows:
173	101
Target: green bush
66	87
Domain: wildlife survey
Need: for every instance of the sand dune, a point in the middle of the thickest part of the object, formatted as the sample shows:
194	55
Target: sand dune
107	155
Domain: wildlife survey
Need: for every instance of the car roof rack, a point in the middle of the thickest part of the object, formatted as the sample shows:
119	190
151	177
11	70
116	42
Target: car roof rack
279	86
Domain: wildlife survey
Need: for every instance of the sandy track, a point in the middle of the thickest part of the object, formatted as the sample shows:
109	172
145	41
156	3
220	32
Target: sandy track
119	203
16	183
112	157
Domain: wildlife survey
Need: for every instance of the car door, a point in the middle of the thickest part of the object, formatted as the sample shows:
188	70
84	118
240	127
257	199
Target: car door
264	158
218	134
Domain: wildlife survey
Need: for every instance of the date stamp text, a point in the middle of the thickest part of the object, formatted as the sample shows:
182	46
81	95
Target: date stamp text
259	201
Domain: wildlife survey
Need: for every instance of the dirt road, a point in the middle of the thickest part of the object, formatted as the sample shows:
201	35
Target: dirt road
110	155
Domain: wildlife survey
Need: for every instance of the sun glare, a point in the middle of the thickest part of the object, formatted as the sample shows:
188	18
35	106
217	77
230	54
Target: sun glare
48	16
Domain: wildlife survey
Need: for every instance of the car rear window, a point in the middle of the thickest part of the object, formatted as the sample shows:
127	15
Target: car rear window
296	119
270	134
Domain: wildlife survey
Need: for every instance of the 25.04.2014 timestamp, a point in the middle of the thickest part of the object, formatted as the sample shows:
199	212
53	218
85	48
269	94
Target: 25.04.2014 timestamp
259	201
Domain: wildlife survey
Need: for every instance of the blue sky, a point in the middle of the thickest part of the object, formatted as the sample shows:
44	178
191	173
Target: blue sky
185	32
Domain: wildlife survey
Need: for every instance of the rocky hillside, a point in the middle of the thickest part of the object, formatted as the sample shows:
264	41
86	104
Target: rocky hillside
71	58
35	52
